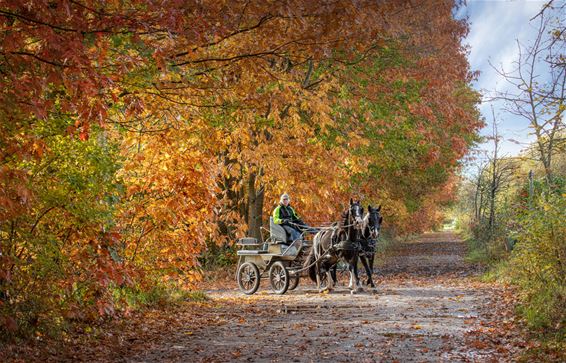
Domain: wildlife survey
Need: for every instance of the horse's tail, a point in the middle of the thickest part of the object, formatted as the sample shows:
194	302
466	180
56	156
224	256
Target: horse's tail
309	262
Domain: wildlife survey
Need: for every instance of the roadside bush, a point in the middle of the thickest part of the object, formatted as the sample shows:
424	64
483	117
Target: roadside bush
159	294
488	245
538	263
56	258
218	256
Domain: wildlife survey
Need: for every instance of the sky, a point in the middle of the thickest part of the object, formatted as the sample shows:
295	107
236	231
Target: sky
495	27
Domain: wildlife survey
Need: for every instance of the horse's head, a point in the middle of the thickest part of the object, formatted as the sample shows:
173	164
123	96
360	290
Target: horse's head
374	220
355	215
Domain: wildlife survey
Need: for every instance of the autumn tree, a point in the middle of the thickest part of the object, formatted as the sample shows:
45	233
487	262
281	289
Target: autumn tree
538	82
133	133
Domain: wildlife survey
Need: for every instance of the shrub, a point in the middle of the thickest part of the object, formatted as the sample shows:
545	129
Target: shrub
538	263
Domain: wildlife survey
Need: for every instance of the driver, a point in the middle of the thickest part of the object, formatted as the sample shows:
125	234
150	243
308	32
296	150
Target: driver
286	216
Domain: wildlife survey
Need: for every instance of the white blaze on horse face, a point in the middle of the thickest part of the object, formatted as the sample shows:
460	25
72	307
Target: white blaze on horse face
357	214
374	233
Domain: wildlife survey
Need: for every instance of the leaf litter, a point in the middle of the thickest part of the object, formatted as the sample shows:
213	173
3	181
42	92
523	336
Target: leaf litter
437	310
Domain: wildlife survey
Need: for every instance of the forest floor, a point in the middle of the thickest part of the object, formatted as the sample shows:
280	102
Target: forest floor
429	305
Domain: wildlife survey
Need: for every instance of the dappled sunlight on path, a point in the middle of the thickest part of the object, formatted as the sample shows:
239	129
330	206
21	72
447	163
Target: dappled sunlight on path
427	307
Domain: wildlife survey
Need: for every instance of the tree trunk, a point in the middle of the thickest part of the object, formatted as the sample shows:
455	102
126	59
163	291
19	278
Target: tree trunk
255	207
494	185
493	194
230	194
545	158
480	209
477	201
492	209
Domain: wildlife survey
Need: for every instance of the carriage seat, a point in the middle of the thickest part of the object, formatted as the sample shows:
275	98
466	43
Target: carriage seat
277	233
282	243
250	246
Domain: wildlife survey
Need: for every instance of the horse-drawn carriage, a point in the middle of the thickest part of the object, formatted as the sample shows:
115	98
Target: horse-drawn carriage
284	261
277	258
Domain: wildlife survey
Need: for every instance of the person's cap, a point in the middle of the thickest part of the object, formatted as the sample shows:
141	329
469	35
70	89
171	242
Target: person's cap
284	196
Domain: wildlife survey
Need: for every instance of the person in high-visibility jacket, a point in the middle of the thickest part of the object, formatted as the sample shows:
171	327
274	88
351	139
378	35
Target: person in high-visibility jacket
286	216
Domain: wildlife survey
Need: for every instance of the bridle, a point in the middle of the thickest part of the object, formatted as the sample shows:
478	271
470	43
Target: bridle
373	223
353	218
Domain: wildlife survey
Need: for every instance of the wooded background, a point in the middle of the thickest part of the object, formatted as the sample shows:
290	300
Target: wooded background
134	134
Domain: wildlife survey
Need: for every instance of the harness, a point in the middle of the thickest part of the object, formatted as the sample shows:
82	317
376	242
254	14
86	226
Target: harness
348	245
341	241
368	246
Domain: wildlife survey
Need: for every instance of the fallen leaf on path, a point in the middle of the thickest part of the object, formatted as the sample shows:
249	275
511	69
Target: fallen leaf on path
478	344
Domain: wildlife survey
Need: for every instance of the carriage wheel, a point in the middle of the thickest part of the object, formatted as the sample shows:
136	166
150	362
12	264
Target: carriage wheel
279	278
248	278
294	282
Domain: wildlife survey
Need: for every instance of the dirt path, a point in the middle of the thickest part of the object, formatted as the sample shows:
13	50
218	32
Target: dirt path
427	307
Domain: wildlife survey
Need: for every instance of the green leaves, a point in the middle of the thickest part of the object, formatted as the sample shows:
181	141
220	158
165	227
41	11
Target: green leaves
539	260
135	136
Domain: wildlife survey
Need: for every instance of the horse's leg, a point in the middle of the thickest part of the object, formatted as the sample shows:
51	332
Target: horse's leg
356	275
368	271
317	271
371	261
366	266
333	275
329	284
317	266
351	270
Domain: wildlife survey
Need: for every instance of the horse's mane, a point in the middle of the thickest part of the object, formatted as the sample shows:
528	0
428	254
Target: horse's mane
365	221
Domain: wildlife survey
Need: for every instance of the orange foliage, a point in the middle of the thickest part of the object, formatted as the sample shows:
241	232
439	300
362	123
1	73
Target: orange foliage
214	109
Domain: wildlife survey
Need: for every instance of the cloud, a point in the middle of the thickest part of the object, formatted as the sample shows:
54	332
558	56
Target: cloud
495	27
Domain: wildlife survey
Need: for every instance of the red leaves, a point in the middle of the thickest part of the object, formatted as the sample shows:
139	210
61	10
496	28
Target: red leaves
478	344
10	324
83	135
159	58
105	308
189	135
15	196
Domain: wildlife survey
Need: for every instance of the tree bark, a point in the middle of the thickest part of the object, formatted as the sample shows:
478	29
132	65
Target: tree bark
477	201
255	207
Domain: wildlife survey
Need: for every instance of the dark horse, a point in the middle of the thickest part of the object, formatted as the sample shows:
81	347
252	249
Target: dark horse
370	234
341	242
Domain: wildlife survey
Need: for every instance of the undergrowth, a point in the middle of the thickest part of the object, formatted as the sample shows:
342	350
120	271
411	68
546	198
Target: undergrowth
536	265
37	322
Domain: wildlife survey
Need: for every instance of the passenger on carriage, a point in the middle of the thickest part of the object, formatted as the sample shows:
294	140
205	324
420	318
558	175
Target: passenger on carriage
286	216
